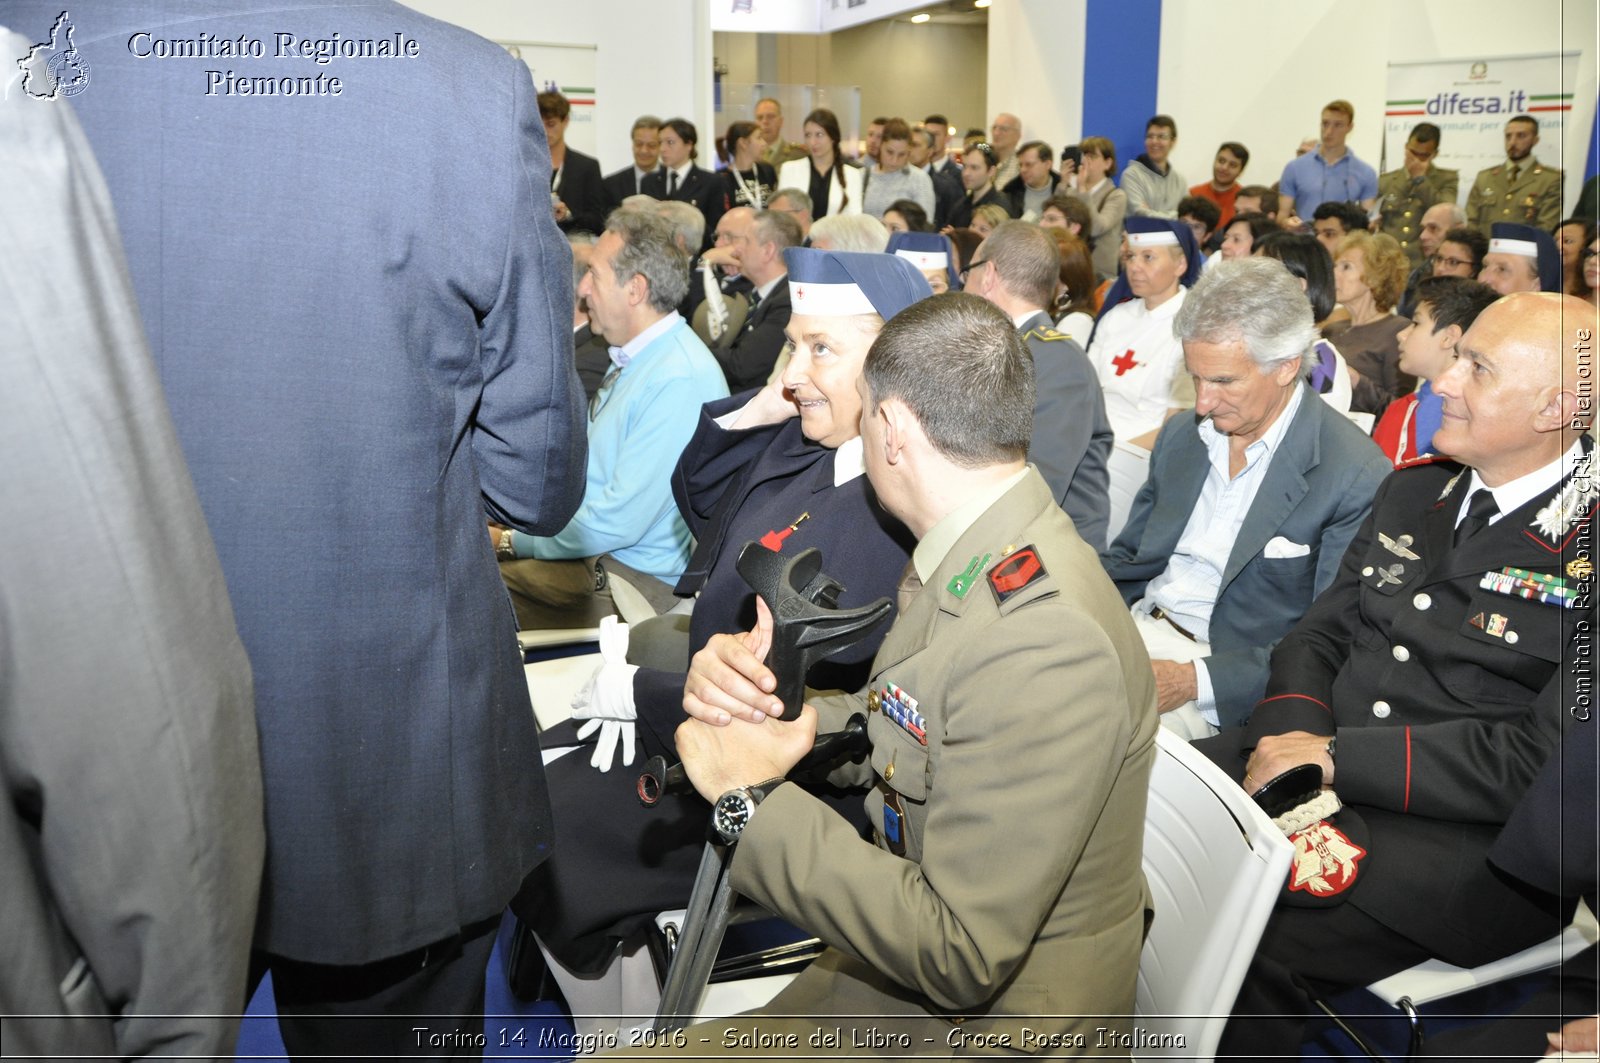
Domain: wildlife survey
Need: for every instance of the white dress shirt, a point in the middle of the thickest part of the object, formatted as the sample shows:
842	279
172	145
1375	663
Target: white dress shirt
1187	588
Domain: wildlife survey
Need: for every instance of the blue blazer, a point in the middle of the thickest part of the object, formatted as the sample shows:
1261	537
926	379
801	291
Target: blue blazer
360	309
1317	492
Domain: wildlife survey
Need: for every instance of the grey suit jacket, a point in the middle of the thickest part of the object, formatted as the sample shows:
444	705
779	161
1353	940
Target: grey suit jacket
360	308
1316	493
131	833
1071	434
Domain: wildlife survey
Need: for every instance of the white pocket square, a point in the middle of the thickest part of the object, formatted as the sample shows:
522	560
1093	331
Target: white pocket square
1278	546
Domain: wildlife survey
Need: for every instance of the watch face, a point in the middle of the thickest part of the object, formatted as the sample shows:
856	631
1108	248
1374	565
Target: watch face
732	813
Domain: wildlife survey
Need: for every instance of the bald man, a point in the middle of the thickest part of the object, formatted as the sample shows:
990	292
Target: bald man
1432	680
1005	133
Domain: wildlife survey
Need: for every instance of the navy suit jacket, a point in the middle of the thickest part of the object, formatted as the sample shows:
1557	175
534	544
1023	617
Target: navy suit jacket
1316	493
620	184
748	354
584	192
360	309
702	188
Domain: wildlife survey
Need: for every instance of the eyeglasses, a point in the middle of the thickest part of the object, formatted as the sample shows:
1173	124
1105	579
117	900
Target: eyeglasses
975	265
1458	263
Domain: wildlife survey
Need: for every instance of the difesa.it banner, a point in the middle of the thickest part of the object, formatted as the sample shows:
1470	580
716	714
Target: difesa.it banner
1470	101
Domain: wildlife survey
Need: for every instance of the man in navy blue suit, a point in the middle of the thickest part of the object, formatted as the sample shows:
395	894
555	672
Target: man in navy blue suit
358	301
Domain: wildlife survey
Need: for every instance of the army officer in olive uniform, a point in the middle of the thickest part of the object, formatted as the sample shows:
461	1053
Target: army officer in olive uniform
1522	189
1405	194
1011	713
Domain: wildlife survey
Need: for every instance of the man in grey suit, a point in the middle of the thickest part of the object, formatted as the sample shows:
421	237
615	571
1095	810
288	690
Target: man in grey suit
1016	270
130	784
359	307
1249	504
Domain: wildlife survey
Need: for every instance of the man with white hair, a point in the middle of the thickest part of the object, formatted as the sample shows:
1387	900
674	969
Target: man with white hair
1249	504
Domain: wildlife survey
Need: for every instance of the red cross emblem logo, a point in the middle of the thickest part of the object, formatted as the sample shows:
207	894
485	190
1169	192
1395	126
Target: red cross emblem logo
1124	361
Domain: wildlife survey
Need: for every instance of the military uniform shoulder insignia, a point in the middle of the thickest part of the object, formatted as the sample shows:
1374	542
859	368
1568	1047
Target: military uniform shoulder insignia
1020	569
962	581
1571	504
1046	334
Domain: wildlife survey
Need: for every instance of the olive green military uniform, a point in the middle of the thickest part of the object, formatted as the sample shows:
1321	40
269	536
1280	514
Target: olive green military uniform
784	151
1011	713
1404	199
1532	197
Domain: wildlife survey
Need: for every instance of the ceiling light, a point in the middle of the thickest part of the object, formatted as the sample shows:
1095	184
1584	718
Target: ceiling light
981	3
921	17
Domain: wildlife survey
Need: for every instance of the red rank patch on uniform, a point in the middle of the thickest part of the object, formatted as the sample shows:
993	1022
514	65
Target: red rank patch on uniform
1015	572
1324	860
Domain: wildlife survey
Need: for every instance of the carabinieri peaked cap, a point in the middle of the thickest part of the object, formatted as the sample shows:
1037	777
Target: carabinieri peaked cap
838	283
1511	238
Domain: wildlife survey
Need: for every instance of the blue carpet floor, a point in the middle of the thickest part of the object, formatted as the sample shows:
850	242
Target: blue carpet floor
512	1029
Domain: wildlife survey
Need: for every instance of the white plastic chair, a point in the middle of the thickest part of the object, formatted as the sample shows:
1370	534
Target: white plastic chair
1215	865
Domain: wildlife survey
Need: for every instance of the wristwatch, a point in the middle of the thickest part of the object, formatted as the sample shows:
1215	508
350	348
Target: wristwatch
734	809
504	550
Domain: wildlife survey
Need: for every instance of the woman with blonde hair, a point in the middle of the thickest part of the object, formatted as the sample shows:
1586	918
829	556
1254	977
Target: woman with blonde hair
1369	275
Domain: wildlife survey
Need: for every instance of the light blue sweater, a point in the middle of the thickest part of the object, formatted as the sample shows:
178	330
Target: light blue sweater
644	421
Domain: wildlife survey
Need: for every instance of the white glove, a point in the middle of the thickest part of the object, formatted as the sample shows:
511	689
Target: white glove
716	306
606	700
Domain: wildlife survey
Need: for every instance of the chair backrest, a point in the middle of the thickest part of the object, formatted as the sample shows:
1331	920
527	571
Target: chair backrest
1215	865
